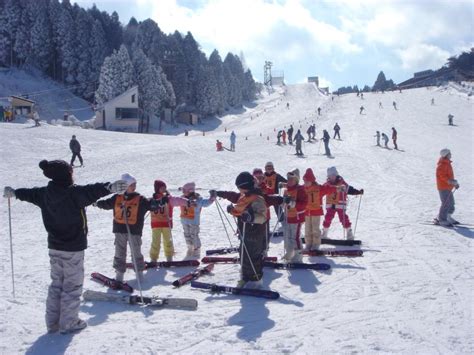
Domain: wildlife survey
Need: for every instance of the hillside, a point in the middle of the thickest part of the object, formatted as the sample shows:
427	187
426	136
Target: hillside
52	99
410	293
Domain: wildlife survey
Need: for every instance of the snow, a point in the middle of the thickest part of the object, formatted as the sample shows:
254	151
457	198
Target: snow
410	293
51	98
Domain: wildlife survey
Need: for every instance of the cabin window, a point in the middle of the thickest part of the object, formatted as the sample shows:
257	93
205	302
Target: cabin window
122	113
133	98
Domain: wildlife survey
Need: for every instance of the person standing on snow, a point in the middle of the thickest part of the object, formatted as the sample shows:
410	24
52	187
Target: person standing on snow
299	141
63	211
394	105
377	135
313	131
191	219
295	199
251	211
272	182
232	141
380	105
450	120
337	202
290	135
394	137
279	137
319	111
162	221
75	147
283	136
361	110
326	138
446	183
309	132
129	210
385	140
337	128
314	209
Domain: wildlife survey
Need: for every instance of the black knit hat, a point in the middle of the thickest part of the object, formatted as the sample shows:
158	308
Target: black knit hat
245	181
57	170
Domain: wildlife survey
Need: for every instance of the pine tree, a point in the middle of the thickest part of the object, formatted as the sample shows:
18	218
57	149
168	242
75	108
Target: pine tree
68	44
249	90
41	42
98	52
10	17
84	66
22	46
207	100
216	65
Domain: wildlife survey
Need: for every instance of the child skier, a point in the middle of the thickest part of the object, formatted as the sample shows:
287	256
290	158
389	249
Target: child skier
162	221
129	215
377	135
314	209
337	202
62	207
190	219
445	183
385	140
250	210
272	182
295	199
283	136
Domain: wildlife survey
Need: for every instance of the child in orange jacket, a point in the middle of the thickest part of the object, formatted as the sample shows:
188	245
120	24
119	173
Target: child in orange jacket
314	209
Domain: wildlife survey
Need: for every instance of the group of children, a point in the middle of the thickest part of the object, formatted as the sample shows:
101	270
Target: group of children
385	138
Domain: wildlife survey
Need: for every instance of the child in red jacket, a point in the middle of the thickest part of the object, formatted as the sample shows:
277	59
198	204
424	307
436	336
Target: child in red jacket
295	199
314	209
337	202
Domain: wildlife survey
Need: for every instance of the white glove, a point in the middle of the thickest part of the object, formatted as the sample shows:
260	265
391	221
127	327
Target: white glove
119	186
8	192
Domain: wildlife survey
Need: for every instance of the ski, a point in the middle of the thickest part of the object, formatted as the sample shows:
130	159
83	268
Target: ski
157	264
451	226
236	290
317	266
222	251
193	275
326	252
230	260
181	303
112	283
341	242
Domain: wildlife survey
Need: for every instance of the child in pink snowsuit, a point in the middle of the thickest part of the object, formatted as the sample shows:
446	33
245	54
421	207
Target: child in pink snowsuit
337	202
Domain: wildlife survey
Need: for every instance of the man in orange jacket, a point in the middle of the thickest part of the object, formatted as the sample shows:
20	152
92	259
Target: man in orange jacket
446	182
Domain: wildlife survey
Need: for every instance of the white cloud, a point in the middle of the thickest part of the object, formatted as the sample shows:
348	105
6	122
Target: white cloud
422	56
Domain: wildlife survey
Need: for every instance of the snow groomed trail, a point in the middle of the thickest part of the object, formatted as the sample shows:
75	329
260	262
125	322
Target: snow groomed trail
411	292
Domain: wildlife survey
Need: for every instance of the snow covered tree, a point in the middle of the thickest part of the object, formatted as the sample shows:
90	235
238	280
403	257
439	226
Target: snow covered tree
194	60
208	98
150	40
116	76
249	89
170	99
382	84
98	52
233	73
22	37
10	16
216	65
84	25
68	44
41	42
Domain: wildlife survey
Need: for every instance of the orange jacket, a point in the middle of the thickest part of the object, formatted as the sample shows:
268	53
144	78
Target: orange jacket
315	194
444	173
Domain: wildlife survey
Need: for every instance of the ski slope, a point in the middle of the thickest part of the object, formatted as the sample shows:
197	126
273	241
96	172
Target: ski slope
410	293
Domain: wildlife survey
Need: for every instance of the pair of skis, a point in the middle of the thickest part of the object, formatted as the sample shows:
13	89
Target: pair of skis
159	264
269	262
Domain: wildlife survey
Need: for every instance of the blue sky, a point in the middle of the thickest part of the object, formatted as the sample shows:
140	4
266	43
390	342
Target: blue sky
344	42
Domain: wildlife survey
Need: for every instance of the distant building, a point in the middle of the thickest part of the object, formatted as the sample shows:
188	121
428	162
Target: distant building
434	78
325	90
313	79
186	114
120	113
278	80
422	74
21	106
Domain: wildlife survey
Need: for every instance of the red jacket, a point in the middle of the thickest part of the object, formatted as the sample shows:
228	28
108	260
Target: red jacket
296	214
444	173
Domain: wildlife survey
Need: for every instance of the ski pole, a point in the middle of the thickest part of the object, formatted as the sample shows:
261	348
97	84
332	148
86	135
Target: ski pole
135	266
228	221
223	223
357	217
11	246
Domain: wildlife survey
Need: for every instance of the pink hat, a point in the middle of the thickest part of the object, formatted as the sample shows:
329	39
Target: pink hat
189	187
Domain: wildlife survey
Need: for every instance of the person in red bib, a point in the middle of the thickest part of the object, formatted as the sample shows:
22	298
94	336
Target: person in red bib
314	209
336	202
162	221
272	186
129	209
295	199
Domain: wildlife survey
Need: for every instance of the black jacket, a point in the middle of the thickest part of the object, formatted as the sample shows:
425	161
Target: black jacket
144	205
75	146
63	211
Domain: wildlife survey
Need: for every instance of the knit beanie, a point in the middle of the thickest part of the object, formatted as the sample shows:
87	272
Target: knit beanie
129	179
257	171
294	174
444	152
158	185
189	187
309	175
57	170
332	171
245	181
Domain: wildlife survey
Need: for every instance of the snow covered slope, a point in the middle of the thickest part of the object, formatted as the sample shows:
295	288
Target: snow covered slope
411	292
52	99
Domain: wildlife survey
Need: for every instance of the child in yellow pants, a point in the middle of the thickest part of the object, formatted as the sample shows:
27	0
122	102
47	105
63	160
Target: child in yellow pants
162	221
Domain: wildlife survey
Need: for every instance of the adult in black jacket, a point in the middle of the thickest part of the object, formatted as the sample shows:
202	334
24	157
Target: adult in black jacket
63	210
129	209
75	147
326	138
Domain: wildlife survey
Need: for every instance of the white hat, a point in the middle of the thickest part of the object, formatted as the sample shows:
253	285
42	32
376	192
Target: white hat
189	187
444	152
129	179
294	173
332	171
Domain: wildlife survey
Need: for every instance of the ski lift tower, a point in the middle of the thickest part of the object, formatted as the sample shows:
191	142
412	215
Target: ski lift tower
267	73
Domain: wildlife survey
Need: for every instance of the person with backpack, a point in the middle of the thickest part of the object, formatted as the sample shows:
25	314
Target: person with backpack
63	209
